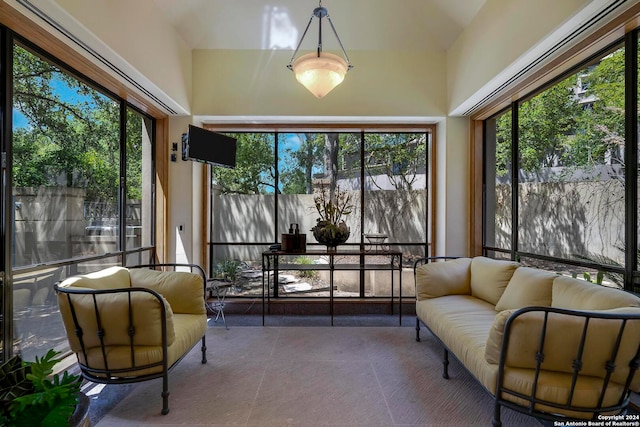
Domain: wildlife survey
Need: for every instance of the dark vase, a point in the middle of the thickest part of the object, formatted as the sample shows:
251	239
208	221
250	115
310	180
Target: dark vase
330	234
80	417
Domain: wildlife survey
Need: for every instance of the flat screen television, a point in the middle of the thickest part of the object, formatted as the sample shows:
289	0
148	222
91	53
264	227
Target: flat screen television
202	145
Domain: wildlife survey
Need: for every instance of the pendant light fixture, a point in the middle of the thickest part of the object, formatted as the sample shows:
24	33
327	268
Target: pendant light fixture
320	72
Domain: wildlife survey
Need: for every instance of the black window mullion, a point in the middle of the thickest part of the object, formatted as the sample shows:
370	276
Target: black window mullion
515	179
362	202
276	142
122	195
631	157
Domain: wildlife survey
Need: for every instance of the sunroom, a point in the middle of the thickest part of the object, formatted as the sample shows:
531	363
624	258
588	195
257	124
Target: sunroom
483	128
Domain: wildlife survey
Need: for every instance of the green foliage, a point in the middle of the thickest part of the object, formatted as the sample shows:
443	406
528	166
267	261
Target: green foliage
31	396
398	156
72	133
557	126
228	269
296	175
303	260
254	172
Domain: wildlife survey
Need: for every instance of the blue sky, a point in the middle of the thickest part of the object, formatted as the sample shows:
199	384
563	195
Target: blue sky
19	120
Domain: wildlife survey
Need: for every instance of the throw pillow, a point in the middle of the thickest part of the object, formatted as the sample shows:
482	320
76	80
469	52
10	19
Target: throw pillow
489	277
527	287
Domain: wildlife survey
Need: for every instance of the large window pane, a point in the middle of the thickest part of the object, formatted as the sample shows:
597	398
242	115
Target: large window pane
393	187
66	159
498	169
300	166
139	203
396	182
571	154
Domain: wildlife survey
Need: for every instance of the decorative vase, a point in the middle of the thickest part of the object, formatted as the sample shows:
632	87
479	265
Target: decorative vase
80	417
330	234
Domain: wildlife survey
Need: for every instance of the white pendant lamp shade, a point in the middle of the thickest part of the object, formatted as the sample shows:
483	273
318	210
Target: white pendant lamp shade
320	74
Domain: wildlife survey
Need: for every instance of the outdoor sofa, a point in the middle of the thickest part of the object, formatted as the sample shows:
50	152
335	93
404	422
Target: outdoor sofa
550	346
134	324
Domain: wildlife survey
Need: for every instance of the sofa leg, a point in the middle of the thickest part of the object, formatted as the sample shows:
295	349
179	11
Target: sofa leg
417	329
496	417
445	362
165	394
204	350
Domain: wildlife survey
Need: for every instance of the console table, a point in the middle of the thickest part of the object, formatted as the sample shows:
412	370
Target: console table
271	262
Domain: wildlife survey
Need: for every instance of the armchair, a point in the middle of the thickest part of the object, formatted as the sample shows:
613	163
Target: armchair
134	324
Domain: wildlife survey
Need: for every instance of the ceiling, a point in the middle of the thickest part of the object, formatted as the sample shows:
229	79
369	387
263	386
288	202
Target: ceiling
361	24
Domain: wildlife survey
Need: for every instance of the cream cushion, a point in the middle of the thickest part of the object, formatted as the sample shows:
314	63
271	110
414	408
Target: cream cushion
436	279
575	294
109	278
490	277
527	287
183	290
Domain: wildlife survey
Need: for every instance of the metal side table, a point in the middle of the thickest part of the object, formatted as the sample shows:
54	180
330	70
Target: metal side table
218	289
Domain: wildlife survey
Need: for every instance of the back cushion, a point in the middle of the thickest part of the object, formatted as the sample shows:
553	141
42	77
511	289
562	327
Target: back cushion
109	278
436	279
527	287
489	278
575	294
183	290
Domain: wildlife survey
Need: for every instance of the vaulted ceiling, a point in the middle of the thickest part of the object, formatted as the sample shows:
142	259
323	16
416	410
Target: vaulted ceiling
361	24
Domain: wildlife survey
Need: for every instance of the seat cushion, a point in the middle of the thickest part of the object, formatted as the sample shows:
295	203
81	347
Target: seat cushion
189	330
462	323
490	277
113	313
527	287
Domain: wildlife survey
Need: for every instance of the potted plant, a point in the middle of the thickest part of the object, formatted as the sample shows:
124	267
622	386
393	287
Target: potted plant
330	228
31	396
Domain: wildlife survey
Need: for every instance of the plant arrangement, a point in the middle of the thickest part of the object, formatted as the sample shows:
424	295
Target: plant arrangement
330	228
308	274
31	396
228	269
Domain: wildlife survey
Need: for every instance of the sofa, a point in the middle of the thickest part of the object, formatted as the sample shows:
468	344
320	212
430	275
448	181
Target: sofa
134	324
551	346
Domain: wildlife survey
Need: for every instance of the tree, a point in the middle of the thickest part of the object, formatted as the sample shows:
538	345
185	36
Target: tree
576	123
297	175
400	157
72	136
254	172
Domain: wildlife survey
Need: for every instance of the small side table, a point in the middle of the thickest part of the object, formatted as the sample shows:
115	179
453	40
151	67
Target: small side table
218	289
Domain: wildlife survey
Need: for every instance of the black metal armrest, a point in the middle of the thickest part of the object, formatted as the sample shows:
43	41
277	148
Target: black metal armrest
592	323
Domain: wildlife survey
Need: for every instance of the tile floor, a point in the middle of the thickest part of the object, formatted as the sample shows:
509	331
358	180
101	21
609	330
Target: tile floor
308	376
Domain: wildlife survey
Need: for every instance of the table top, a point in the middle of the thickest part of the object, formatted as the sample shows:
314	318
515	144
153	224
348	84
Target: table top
338	251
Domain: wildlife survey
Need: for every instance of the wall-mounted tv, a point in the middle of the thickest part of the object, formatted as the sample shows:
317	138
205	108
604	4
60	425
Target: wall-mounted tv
205	146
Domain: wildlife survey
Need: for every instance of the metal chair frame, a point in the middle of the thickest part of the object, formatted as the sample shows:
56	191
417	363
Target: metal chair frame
119	376
533	402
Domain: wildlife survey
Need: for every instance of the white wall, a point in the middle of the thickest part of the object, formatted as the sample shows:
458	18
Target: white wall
257	83
501	33
184	203
136	37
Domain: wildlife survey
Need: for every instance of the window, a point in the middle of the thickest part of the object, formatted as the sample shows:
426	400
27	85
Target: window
273	188
570	168
66	157
498	205
71	212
